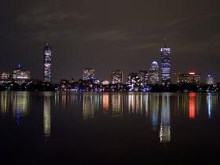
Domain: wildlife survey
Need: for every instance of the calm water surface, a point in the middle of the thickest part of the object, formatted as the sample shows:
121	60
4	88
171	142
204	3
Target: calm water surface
109	128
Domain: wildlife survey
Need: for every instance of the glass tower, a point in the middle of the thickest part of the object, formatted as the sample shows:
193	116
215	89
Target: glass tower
154	73
47	63
165	65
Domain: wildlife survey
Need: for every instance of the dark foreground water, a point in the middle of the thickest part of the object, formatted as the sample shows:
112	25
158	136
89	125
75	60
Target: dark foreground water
109	128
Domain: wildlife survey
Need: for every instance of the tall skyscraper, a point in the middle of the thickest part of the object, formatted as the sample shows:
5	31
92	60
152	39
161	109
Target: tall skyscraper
117	77
47	63
165	65
154	73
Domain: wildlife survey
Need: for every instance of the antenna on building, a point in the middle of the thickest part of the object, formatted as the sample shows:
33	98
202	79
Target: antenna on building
165	42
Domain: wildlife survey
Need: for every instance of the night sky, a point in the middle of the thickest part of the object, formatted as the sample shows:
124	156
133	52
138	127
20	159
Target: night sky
109	34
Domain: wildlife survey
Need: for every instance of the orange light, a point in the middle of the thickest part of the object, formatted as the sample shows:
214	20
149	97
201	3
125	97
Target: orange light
105	102
192	105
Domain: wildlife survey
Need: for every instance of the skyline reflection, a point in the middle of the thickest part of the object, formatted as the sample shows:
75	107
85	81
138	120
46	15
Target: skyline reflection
212	101
47	116
105	102
155	109
165	134
192	105
20	102
117	105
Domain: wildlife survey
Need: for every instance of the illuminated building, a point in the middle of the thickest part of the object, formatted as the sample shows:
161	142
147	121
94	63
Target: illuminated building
117	77
5	76
210	80
165	65
47	63
143	74
19	74
88	74
154	73
165	119
133	81
189	78
105	82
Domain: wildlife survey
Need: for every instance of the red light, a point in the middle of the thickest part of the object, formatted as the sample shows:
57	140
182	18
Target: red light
192	105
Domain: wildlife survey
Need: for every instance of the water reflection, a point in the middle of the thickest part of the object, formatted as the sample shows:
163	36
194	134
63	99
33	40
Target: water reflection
4	96
165	119
154	110
192	105
47	115
117	105
212	101
91	104
105	102
138	103
20	104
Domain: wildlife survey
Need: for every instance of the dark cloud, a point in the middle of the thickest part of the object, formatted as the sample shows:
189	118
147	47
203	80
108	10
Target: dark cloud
109	35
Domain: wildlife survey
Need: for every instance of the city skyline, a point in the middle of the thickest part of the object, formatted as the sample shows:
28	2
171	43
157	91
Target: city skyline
155	74
110	35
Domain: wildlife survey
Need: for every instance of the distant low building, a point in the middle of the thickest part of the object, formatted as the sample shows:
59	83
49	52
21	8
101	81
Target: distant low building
189	78
210	80
133	81
143	74
20	74
5	76
117	77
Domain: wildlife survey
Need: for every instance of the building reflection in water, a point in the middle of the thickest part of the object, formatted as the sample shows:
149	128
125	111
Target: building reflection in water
117	105
192	105
212	101
145	104
47	115
135	103
165	119
91	103
4	96
131	103
20	104
105	102
154	110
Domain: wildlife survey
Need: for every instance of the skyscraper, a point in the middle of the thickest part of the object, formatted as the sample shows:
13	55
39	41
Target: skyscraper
165	65
47	63
154	73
